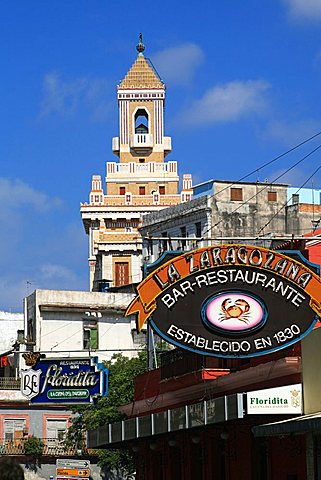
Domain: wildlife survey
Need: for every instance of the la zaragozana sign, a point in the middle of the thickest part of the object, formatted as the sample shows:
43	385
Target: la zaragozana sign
230	300
65	381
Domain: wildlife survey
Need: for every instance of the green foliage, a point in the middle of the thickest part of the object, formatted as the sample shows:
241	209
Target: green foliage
122	372
34	446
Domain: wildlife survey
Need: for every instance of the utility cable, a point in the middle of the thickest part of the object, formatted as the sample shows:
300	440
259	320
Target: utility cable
267	186
285	204
267	163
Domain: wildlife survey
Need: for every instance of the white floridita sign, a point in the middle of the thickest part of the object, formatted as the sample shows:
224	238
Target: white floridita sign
286	400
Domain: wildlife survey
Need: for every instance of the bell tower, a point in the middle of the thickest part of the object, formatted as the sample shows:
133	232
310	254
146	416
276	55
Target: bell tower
142	145
141	97
140	182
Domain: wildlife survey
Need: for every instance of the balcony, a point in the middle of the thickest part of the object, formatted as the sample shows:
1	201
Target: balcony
115	145
148	169
52	447
141	142
9	383
167	145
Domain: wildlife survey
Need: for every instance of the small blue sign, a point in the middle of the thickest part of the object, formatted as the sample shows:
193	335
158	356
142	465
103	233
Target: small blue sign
65	381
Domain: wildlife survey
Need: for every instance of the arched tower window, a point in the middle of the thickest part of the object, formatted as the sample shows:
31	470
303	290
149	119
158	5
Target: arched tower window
141	121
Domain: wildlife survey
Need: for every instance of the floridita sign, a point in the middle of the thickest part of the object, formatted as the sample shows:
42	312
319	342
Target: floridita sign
65	381
284	400
230	300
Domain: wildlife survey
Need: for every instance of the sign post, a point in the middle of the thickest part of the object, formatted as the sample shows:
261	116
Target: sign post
72	469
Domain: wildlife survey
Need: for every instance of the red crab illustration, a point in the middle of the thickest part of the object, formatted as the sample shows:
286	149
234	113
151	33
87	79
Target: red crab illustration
237	309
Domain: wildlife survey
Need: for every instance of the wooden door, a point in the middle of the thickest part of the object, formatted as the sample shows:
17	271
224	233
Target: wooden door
121	273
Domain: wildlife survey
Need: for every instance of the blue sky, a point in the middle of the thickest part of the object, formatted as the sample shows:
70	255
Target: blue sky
243	85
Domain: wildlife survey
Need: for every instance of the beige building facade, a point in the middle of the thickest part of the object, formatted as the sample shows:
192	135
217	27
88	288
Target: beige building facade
140	182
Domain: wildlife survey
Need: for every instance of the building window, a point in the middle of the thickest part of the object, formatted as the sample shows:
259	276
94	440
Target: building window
142	160
56	429
121	273
184	235
272	197
30	331
142	190
198	229
96	198
90	334
122	190
236	194
164	242
14	428
162	189
141	121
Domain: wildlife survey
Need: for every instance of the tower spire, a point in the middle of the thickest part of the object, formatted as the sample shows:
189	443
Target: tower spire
140	47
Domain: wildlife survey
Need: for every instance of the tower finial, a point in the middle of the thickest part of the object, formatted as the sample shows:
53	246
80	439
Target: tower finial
140	47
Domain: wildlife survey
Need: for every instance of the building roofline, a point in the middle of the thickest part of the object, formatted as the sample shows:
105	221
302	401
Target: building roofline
238	182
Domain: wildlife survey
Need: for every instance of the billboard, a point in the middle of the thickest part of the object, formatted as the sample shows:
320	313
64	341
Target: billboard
230	300
63	380
281	400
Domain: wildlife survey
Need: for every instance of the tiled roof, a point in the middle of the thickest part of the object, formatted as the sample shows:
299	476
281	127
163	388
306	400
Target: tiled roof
141	75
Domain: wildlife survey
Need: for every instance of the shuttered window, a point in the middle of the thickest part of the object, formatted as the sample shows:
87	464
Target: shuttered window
121	273
13	428
236	194
272	197
90	335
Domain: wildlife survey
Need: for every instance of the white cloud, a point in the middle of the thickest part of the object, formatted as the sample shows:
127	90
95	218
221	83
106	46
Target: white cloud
292	133
64	97
228	102
37	250
304	9
61	96
15	194
177	65
12	292
54	272
39	253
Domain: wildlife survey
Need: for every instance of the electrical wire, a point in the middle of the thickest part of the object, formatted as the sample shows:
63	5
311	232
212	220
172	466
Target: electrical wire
285	204
267	186
267	163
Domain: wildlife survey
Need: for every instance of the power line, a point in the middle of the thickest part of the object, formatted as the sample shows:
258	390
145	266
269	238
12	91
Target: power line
267	163
268	186
283	206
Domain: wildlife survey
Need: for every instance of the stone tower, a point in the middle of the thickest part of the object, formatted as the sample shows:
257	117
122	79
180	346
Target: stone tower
139	183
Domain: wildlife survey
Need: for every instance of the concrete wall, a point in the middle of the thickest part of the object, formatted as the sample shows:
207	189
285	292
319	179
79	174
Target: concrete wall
247	216
58	319
311	358
10	323
302	217
36	419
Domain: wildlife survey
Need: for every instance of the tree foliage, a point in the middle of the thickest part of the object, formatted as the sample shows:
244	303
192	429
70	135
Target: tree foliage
33	446
122	372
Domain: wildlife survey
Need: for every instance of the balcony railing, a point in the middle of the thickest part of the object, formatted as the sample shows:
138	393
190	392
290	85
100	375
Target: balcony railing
9	383
52	447
141	140
149	168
